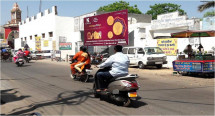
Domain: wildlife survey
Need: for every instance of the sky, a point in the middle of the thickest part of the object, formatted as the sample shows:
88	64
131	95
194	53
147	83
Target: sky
73	8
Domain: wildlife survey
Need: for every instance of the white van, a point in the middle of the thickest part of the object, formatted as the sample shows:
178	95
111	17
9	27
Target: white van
148	56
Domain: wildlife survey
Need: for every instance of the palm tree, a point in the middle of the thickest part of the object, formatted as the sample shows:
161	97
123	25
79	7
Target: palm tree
206	6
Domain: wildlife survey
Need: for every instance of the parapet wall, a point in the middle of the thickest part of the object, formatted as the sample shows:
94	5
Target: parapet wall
40	15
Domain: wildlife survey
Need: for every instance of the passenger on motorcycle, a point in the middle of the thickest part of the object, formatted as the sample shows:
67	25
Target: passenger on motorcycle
77	57
119	64
19	54
84	61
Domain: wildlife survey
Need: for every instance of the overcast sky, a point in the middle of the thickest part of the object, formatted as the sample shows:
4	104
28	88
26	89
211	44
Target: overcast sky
73	8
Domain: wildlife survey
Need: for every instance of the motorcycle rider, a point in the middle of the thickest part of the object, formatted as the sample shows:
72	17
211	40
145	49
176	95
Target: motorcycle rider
26	53
84	61
119	63
77	57
19	54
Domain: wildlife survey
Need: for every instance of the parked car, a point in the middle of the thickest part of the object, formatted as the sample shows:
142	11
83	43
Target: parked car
148	56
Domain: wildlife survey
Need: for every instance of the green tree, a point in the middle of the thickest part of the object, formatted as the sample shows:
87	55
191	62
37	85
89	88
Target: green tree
164	8
121	5
210	13
206	6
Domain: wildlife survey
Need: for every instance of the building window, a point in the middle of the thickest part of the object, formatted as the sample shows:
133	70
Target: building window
43	35
50	34
25	38
30	37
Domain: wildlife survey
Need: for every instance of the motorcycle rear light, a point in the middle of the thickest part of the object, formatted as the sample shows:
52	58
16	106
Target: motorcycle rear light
130	84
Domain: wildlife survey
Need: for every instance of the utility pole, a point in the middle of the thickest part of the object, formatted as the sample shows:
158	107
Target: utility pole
27	11
40	6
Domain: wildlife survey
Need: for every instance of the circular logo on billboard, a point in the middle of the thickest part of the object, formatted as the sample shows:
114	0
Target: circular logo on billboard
110	34
110	20
117	28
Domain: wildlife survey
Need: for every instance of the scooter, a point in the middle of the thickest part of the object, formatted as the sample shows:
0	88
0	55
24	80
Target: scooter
123	90
86	76
27	59
19	62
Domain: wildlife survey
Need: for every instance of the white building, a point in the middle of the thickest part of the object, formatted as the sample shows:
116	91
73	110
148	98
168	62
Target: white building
50	27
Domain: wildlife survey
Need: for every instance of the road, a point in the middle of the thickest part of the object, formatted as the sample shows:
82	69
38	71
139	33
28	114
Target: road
47	88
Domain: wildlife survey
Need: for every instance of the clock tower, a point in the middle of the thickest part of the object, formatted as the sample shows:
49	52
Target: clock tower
15	14
12	27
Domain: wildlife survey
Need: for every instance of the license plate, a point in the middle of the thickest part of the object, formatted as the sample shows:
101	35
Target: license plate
158	62
132	94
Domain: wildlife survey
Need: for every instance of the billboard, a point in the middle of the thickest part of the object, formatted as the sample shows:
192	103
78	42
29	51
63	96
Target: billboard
38	43
169	46
65	46
106	29
46	43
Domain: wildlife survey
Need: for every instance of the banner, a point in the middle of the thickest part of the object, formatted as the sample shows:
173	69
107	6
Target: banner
46	43
65	46
54	45
38	43
106	29
169	46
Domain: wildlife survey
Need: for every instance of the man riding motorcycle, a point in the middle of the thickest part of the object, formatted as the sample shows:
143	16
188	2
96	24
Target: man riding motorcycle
119	63
26	53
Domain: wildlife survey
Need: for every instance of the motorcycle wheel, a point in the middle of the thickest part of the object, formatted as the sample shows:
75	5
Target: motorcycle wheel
127	102
96	95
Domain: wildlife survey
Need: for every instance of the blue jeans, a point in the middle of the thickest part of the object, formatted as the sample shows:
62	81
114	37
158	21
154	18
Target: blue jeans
102	79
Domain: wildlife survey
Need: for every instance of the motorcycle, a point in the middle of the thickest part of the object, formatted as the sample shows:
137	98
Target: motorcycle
19	62
82	77
28	58
122	90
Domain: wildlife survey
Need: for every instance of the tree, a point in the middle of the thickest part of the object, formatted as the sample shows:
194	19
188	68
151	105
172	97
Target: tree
206	6
210	13
121	5
164	8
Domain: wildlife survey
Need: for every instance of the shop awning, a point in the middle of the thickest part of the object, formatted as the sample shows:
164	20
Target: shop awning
193	33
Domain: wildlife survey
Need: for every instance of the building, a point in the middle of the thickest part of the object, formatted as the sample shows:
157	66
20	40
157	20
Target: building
12	27
208	23
46	31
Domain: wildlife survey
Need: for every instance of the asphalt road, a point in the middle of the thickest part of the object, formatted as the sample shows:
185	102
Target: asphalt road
51	91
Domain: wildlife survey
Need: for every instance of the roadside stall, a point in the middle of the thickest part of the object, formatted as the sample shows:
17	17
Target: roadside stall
198	62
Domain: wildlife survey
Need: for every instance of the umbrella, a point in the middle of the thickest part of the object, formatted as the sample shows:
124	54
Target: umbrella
194	33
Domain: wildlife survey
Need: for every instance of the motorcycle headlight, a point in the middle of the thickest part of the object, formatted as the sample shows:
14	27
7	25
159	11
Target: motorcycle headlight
149	58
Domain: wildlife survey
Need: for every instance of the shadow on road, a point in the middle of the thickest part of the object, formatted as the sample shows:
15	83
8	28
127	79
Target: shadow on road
67	98
25	65
194	103
9	95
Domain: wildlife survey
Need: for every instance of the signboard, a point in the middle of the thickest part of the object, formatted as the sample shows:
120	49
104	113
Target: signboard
187	66
106	29
46	43
38	43
209	67
172	20
54	45
169	46
65	46
194	66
